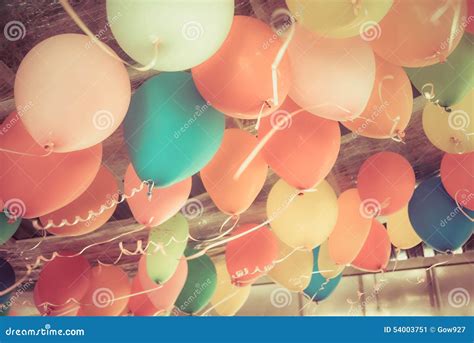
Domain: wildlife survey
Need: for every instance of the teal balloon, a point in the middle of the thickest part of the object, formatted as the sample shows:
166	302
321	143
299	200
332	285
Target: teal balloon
7	227
451	80
200	284
319	288
7	279
170	130
437	219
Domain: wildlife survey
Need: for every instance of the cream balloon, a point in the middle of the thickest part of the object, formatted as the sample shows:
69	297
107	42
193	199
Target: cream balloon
305	220
451	131
400	231
293	269
227	298
326	265
177	35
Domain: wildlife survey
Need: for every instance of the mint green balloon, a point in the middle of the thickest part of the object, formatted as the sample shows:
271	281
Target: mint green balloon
7	228
172	235
170	130
187	32
200	284
451	80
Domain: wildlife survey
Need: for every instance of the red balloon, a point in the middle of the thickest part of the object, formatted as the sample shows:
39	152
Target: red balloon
304	147
386	182
32	186
457	176
164	203
140	304
470	16
252	255
375	253
103	191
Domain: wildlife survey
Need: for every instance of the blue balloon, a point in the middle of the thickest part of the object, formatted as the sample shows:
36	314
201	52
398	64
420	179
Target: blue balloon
436	218
7	279
315	289
170	130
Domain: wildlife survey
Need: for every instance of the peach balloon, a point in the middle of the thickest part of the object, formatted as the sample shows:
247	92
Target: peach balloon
427	34
375	253
386	182
390	105
332	78
351	230
234	196
47	309
107	293
457	176
71	93
102	193
237	79
164	202
140	304
35	184
326	265
304	147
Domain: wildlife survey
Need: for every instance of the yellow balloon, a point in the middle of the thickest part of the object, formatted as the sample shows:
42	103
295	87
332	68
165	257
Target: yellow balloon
399	229
341	18
227	299
452	131
295	268
326	265
308	219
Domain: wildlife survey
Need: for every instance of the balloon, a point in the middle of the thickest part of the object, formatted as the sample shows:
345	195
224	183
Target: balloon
108	289
320	288
71	94
32	186
375	253
8	227
252	255
64	278
7	279
293	269
390	105
237	79
304	147
470	15
457	177
164	203
185	33
328	268
448	82
234	196
139	303
171	132
351	230
437	219
398	41
200	284
453	131
166	245
102	192
332	78
386	182
46	309
308	220
164	295
402	235
339	19
227	298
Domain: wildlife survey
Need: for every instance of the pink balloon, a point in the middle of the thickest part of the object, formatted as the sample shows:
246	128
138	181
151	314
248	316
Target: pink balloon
375	253
164	203
332	78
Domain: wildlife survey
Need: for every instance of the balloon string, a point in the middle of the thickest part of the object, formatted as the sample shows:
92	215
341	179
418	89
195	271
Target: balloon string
36	245
48	148
323	286
74	16
397	252
219	303
428	92
222	234
448	252
458	204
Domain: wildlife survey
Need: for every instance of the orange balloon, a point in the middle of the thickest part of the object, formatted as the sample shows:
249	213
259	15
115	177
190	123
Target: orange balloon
375	253
163	296
351	230
237	79
457	176
164	202
45	309
102	192
386	182
390	105
419	33
32	186
140	304
107	292
234	196
252	255
304	147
